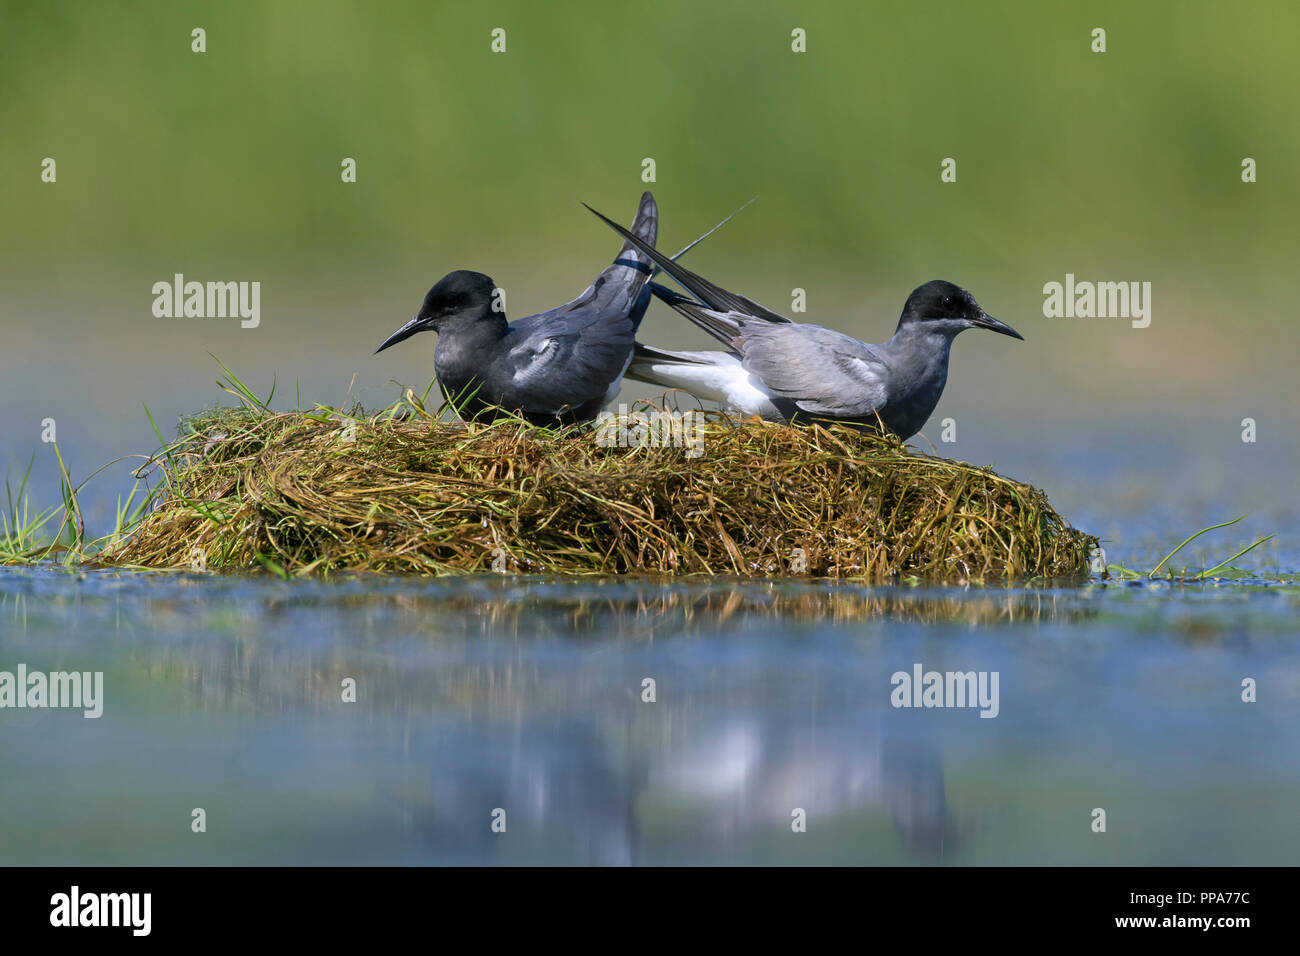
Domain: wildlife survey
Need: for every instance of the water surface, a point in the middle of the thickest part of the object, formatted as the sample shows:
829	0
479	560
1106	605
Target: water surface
526	695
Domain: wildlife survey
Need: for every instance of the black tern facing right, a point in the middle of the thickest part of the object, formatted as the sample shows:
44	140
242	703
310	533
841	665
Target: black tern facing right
557	367
783	370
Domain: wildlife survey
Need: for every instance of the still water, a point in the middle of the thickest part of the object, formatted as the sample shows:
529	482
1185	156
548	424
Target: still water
527	696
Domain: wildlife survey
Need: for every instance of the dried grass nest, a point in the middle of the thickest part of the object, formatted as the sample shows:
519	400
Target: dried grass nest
404	491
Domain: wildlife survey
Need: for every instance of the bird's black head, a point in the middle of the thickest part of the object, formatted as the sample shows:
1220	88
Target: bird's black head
943	307
460	294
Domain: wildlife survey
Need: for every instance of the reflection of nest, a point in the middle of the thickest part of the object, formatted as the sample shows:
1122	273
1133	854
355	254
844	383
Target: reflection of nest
301	492
649	609
264	668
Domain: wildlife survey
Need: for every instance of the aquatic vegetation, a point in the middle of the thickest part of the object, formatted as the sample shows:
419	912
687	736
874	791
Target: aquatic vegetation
25	537
404	490
21	528
1223	569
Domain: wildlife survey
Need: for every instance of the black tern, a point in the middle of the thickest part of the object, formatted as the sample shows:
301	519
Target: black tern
782	370
557	367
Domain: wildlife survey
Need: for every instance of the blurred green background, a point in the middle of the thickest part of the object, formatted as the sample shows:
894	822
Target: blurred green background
225	165
1126	161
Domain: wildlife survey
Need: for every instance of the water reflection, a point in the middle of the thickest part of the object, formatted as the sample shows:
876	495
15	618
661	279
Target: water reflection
572	792
621	609
528	696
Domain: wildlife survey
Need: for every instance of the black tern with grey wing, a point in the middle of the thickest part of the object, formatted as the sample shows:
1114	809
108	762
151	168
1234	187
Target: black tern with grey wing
554	368
783	370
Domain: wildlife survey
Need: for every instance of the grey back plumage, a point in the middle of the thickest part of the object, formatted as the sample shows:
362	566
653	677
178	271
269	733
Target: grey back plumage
820	371
563	364
823	372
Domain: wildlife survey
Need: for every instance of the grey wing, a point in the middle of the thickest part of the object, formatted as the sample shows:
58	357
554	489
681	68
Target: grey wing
618	288
712	296
723	326
573	354
822	371
559	361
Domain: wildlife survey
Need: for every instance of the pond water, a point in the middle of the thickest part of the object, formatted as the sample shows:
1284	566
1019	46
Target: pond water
527	696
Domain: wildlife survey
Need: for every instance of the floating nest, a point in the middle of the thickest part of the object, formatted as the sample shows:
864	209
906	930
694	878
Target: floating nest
403	491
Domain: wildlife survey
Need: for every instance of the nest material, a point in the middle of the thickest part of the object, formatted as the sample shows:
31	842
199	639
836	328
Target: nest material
318	492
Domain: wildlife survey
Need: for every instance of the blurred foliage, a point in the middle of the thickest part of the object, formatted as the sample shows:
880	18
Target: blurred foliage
1121	162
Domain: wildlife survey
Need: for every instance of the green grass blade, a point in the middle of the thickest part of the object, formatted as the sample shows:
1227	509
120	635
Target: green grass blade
1222	564
1214	527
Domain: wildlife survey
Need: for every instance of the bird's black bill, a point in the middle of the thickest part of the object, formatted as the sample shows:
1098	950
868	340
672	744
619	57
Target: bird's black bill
402	334
987	321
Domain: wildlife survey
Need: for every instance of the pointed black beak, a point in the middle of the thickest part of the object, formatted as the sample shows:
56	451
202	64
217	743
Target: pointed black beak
986	321
405	332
